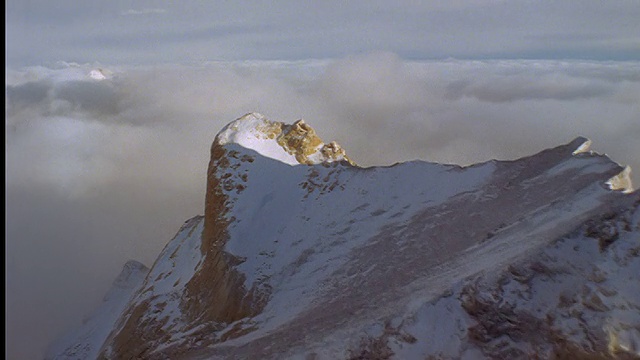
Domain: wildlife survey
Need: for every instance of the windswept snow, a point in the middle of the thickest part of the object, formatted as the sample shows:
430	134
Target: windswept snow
297	225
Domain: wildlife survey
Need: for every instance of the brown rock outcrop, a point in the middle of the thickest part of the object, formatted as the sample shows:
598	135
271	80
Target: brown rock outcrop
214	295
216	292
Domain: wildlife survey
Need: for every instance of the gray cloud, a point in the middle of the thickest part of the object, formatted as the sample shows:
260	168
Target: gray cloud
102	171
612	72
167	37
92	97
522	88
26	96
145	11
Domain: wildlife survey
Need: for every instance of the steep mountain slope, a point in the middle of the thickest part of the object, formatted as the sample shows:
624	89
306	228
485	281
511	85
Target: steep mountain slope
330	260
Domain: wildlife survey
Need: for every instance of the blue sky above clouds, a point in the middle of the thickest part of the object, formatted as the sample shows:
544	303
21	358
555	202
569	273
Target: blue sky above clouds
99	172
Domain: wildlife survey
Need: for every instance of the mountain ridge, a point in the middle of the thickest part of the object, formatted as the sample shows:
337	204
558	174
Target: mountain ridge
298	243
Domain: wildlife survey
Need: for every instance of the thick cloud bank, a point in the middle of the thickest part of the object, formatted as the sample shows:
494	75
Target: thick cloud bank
101	171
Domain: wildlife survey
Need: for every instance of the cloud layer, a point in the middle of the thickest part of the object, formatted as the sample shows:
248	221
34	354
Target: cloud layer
102	171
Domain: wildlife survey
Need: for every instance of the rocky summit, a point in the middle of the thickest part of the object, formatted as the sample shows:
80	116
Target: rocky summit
303	254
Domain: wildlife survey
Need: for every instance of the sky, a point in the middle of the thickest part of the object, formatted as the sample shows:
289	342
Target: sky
102	171
145	32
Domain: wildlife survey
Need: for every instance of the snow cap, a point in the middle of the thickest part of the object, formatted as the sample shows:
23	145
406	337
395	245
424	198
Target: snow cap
291	144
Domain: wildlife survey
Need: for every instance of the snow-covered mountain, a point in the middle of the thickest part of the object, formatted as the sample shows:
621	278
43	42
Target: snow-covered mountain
303	254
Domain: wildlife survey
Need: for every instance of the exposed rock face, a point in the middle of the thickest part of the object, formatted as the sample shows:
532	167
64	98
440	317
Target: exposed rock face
216	292
301	254
301	141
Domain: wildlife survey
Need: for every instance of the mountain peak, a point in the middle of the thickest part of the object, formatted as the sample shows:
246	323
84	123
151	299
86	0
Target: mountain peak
97	74
292	144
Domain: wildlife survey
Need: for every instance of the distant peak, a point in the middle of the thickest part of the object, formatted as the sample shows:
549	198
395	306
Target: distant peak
293	144
131	271
97	74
